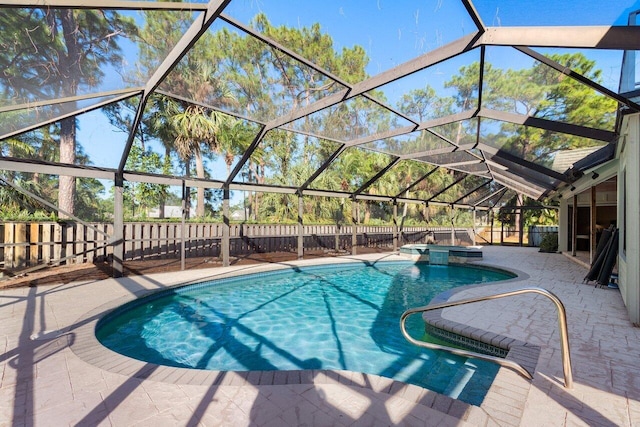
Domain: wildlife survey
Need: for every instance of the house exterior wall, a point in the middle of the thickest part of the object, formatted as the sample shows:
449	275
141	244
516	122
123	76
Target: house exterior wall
629	216
627	168
563	224
583	191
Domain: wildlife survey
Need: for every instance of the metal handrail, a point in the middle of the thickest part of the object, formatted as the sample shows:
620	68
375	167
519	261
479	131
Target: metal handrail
562	323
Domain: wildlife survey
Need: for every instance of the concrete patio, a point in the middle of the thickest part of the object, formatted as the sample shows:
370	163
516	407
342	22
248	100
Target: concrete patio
53	371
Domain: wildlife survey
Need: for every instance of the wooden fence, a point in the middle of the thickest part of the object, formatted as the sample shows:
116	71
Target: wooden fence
27	244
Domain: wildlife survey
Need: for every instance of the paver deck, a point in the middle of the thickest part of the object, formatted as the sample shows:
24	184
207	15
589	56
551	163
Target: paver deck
52	371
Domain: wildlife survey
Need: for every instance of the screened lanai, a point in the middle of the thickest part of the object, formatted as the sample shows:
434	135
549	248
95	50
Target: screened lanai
450	104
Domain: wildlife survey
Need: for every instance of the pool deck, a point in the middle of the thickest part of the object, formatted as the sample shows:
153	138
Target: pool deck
53	372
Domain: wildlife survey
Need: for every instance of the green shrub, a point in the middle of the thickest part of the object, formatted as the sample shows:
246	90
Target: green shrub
549	242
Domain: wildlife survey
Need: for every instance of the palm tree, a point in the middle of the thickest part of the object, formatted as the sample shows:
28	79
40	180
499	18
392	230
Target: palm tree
233	138
196	129
16	147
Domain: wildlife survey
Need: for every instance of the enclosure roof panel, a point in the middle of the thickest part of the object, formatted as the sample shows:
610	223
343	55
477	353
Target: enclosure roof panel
355	98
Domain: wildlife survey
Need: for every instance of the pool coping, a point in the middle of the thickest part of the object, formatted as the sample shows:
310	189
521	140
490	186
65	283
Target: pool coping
421	252
507	383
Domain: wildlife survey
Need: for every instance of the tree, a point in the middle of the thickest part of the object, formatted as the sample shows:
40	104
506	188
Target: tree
196	131
189	129
56	53
424	104
16	147
234	137
268	83
153	126
140	196
542	92
41	144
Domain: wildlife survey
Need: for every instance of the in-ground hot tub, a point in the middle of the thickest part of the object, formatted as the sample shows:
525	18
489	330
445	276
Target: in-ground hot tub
442	254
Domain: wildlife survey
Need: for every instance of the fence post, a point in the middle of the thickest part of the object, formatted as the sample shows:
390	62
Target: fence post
182	221
354	227
395	225
79	237
474	226
521	227
118	227
300	226
163	243
34	239
9	239
48	242
225	227
70	248
491	226
21	250
57	238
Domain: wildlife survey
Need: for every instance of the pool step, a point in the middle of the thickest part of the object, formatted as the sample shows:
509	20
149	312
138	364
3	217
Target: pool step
459	381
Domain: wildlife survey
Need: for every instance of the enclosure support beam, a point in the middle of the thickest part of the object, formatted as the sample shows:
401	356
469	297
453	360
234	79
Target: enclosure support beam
224	247
118	226
536	122
474	226
471	192
589	37
185	209
395	226
354	227
592	226
452	215
300	226
492	222
505	159
56	118
574	225
107	5
520	225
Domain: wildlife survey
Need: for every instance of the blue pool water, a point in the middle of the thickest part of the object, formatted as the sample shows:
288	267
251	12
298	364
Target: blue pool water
330	317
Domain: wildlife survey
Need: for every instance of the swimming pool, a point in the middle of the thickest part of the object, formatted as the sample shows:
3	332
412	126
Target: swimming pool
331	317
